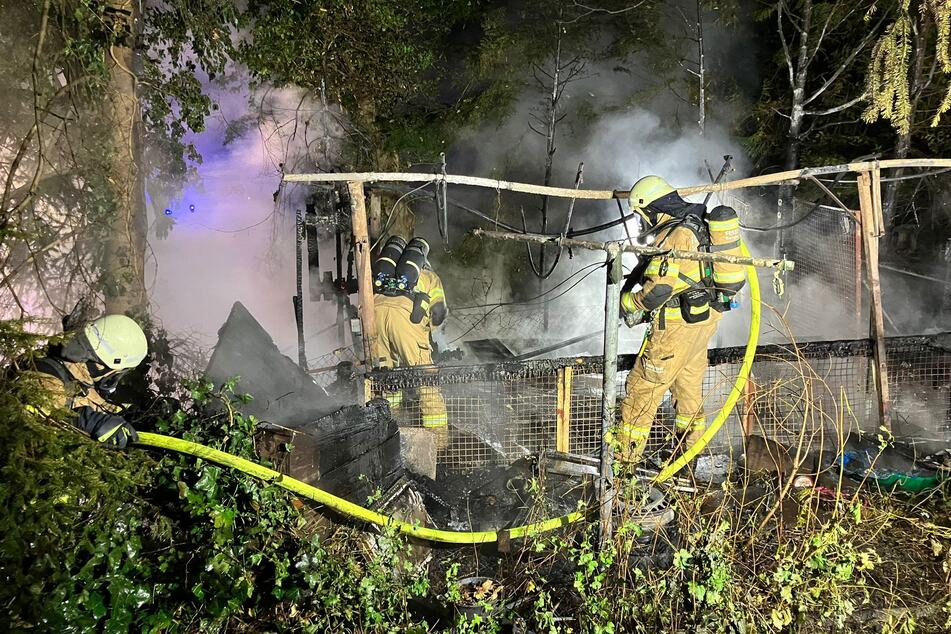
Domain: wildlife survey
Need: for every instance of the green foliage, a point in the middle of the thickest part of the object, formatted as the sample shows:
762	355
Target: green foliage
904	44
378	59
72	524
134	541
888	84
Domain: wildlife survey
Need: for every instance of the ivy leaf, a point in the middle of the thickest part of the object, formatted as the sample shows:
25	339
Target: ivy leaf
208	482
96	605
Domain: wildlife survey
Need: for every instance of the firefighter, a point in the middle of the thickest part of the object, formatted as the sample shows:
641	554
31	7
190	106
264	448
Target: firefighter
82	372
410	304
683	305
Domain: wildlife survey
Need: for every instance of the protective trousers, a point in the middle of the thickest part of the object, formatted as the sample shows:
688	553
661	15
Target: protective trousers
401	343
675	359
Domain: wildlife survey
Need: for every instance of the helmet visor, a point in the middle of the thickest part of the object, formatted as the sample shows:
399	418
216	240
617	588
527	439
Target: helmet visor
78	349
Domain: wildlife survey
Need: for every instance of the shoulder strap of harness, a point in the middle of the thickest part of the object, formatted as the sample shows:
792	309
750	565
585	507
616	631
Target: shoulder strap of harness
700	230
54	367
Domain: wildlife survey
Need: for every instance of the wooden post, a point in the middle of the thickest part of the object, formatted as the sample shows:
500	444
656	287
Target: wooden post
749	407
877	201
374	219
299	297
870	226
361	248
858	273
563	412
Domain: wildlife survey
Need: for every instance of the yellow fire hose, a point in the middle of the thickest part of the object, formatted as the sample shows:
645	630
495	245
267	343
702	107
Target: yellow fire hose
465	537
738	385
343	506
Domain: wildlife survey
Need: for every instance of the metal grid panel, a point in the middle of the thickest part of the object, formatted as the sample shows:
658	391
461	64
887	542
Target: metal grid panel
824	295
532	402
808	400
920	387
815	393
585	430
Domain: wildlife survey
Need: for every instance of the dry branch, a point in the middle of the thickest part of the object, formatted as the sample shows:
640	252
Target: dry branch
606	194
782	265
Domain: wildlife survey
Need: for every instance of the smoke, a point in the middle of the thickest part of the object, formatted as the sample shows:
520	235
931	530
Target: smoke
238	243
231	234
617	144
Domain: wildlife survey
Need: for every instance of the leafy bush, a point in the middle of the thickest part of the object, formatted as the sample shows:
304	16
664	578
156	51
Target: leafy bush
138	541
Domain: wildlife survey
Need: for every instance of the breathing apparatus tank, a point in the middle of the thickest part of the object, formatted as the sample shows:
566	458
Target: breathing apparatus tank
728	279
411	264
384	267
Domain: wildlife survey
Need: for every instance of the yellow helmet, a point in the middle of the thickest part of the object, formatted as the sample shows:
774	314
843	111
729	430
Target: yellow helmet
117	341
645	191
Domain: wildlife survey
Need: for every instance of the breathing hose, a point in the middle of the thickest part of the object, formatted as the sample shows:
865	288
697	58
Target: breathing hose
356	511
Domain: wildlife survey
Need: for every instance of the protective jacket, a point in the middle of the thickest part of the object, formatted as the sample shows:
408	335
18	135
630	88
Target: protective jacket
72	387
674	356
404	323
672	287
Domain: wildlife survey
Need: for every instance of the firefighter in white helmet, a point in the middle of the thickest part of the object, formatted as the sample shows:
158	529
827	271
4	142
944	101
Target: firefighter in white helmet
683	300
85	369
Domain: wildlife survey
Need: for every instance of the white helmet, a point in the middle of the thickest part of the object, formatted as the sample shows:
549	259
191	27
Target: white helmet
117	341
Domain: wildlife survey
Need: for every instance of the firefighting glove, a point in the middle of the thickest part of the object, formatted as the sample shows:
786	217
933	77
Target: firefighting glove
632	319
111	430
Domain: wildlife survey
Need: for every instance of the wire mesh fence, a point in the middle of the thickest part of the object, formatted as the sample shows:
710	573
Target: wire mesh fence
817	392
506	410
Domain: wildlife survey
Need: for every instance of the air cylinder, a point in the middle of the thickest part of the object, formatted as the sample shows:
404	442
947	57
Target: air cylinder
411	264
384	267
725	240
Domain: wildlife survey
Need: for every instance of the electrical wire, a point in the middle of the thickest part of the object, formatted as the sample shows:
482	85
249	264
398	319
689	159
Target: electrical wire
492	310
486	217
579	179
389	220
531	299
815	207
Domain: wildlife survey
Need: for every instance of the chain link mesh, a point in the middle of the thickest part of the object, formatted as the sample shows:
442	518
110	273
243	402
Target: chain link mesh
815	393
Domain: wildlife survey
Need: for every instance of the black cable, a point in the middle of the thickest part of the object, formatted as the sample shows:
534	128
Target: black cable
815	208
562	294
514	229
539	296
392	216
620	211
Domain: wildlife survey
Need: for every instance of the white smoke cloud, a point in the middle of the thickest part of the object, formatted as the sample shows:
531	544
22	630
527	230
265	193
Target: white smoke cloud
231	241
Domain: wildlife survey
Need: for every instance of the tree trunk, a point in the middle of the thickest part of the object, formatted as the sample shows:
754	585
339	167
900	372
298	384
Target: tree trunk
903	138
796	115
123	264
701	71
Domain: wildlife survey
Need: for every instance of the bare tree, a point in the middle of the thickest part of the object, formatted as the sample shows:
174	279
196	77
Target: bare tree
545	124
693	33
815	61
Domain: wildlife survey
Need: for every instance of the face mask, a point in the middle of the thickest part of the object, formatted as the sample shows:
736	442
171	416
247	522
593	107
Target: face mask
647	216
106	380
78	349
